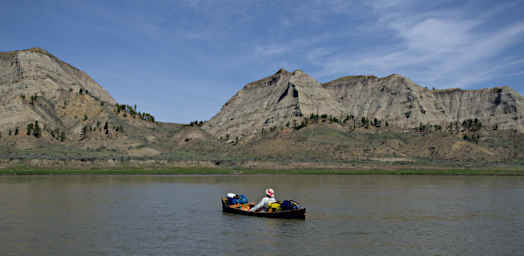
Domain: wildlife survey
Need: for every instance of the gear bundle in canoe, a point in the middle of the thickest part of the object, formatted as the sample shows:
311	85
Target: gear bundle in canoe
243	209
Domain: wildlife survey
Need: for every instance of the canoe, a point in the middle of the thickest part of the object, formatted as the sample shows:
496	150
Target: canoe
283	214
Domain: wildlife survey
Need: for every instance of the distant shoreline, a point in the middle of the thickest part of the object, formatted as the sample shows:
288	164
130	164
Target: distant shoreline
217	171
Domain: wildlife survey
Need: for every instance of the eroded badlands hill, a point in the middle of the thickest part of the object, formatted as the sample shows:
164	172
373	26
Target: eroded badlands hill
45	100
288	98
53	115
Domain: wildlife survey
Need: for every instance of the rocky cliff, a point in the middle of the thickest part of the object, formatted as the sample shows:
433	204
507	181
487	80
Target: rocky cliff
34	75
51	112
46	97
287	98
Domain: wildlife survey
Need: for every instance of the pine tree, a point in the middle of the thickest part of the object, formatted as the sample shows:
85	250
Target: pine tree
36	130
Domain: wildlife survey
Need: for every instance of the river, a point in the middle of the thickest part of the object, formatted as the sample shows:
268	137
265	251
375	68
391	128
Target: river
181	215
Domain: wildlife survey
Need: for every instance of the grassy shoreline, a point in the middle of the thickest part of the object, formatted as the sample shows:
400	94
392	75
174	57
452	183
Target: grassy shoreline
213	171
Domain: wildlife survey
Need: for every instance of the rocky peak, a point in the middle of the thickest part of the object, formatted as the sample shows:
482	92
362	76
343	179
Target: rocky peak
280	71
43	73
37	86
284	98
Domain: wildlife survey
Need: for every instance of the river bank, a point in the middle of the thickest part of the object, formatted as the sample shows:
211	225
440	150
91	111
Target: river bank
230	167
224	171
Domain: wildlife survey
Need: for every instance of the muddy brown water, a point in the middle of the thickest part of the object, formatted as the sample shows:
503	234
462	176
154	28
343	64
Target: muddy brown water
181	215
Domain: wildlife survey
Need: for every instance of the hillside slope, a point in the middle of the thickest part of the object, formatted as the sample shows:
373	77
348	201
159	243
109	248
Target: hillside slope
45	101
55	116
287	98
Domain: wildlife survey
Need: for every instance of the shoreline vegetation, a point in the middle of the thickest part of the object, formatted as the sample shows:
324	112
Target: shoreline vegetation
224	171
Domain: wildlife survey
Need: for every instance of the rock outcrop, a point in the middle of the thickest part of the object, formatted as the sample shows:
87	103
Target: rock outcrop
34	76
286	98
44	96
52	114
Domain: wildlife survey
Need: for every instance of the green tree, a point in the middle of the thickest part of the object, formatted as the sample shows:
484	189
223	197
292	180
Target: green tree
106	128
36	130
376	122
365	122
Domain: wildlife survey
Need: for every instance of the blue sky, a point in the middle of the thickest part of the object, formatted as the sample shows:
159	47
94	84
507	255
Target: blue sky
181	60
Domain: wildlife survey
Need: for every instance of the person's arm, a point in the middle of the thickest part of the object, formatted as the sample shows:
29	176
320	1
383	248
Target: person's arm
259	205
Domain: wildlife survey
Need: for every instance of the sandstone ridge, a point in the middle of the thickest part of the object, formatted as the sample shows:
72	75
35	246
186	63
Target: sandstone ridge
54	115
39	90
286	98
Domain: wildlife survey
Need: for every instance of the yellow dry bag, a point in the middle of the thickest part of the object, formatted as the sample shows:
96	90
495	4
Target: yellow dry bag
273	207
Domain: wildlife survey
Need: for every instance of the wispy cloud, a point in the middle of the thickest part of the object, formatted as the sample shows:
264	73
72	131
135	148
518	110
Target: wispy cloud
213	47
270	50
444	48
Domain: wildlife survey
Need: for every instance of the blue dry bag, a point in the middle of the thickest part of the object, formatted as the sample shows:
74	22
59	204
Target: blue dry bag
289	205
242	199
232	200
237	199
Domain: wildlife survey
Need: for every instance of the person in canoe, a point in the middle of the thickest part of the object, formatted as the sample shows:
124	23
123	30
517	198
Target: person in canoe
269	198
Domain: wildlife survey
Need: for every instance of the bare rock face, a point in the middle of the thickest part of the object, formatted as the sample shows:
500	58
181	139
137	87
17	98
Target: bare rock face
38	89
405	104
264	105
286	98
34	76
500	106
36	70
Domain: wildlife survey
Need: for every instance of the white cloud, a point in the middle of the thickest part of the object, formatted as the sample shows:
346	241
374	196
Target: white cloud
427	35
447	48
270	50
